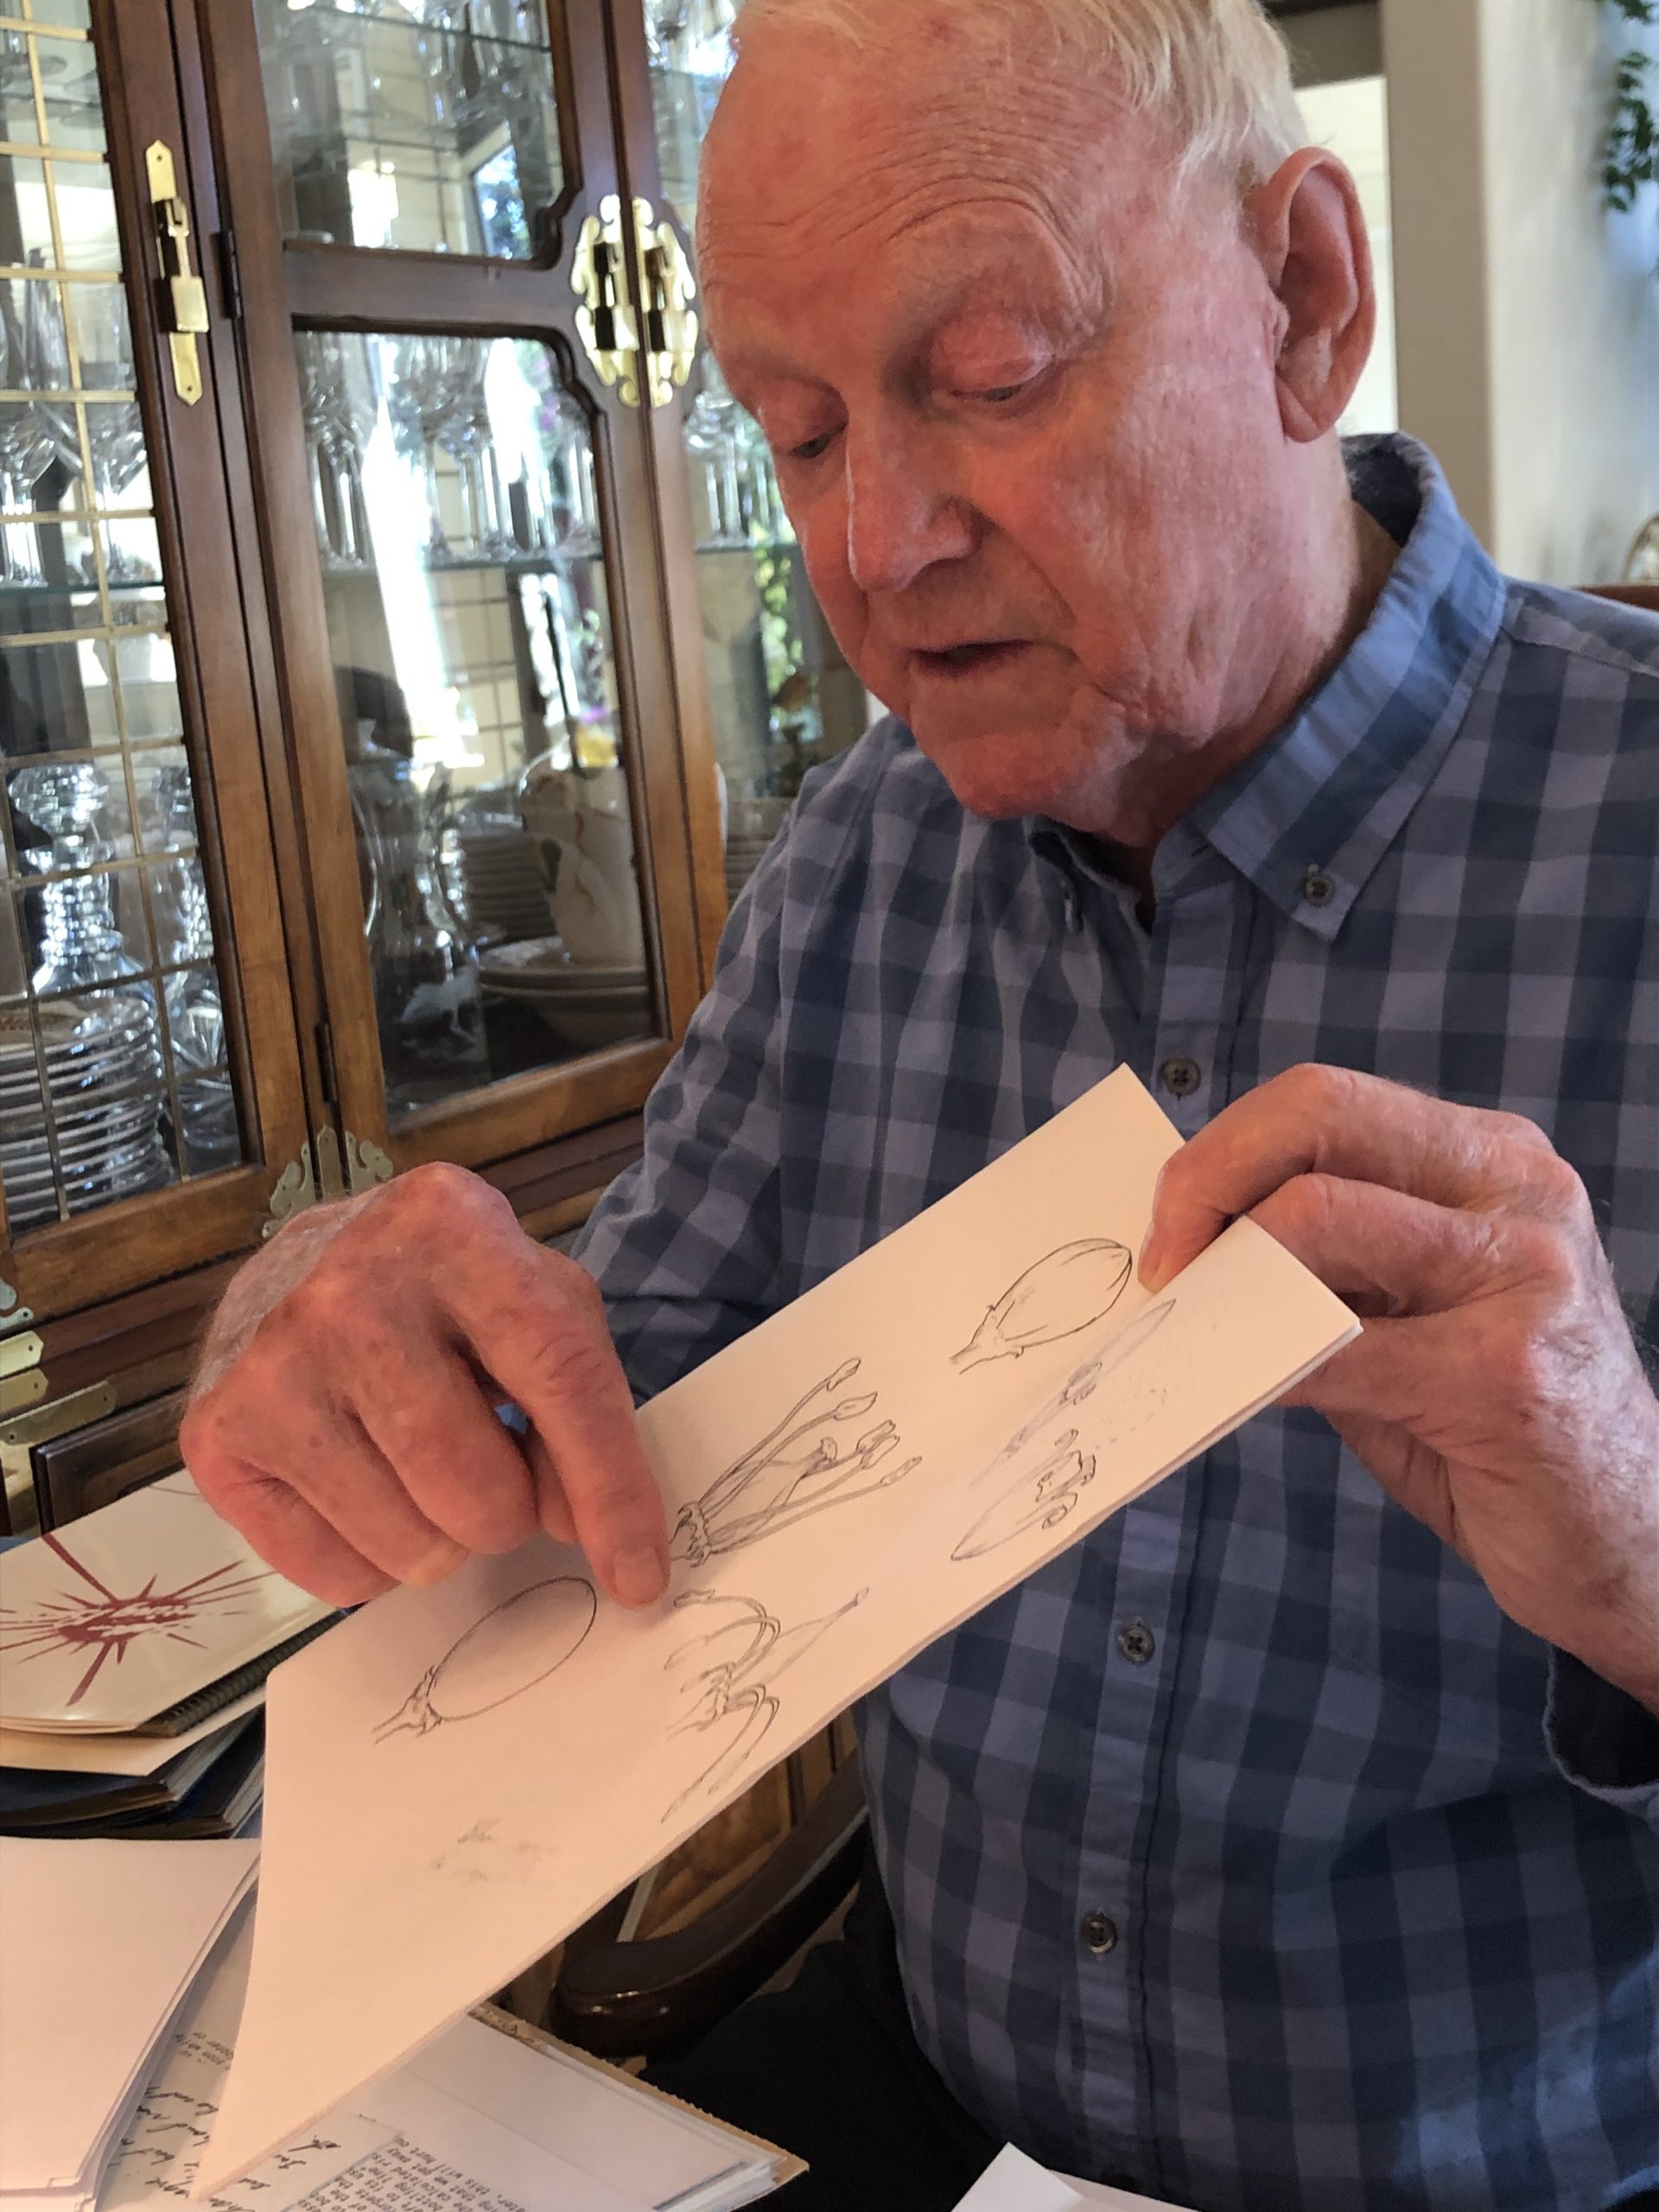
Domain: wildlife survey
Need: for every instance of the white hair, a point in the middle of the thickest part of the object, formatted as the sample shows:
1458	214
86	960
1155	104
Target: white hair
1218	69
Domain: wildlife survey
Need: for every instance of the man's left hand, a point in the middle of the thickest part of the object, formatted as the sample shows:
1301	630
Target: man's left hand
1496	1392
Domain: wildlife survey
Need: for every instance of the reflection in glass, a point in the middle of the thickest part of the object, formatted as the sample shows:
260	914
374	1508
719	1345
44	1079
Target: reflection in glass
782	695
457	517
419	125
114	1078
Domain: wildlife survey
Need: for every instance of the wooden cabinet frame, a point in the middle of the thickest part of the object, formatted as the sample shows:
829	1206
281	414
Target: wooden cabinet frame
117	1248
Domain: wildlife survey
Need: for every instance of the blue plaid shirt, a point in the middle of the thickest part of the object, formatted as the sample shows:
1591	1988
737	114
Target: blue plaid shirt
1382	1870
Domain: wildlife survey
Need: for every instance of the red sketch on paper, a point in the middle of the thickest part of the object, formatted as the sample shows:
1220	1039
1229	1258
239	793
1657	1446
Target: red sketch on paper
105	1625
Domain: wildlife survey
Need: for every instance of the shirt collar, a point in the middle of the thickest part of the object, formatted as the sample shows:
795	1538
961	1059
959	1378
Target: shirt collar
1308	817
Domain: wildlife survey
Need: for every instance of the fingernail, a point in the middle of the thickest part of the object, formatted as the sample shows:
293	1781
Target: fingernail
439	1564
638	1577
1151	1263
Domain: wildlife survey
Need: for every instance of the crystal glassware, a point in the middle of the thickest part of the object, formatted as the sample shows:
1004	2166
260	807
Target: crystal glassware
81	943
428	1011
420	401
26	451
338	406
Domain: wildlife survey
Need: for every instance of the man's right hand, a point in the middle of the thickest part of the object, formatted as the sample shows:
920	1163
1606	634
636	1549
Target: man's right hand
343	1416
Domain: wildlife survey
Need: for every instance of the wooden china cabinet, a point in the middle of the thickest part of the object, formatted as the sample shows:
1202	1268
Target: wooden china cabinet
403	649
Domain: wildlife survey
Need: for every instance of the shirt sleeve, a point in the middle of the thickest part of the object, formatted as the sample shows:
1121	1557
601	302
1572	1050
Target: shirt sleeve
1601	1739
686	1244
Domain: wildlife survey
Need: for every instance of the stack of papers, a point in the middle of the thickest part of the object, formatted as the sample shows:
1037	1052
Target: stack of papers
209	1788
493	2118
137	1642
99	1943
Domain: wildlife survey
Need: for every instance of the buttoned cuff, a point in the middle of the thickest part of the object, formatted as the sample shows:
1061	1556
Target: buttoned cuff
1601	1738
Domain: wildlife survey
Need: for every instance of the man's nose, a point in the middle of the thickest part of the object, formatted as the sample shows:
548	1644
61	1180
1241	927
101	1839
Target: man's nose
900	517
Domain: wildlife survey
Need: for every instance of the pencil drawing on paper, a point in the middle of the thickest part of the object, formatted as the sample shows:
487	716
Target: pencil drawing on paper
730	1692
1066	1290
799	1468
506	1652
1042	1471
1043	1498
85	1619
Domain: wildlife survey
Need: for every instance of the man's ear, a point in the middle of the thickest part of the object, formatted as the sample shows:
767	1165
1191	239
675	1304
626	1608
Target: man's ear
1308	232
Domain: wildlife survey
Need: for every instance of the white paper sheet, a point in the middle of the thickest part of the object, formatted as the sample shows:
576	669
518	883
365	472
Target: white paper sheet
141	1918
1013	2182
480	2121
1016	2183
130	1610
594	2122
133	1755
456	1777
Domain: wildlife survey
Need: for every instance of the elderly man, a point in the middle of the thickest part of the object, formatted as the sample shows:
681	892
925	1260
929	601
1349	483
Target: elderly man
1294	1839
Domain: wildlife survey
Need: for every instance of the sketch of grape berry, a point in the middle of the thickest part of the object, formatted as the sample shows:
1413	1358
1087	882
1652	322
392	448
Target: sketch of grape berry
508	1650
1066	1290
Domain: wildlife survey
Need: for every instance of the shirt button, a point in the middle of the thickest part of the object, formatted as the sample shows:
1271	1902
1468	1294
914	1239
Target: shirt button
1318	888
1180	1077
1098	1933
1136	1642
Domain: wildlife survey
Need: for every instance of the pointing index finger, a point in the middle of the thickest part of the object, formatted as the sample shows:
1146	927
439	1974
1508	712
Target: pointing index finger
543	1338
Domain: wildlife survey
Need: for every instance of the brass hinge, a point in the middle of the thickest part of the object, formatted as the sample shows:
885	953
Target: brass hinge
19	1352
21	1432
186	295
661	358
321	1171
22	1382
58	1417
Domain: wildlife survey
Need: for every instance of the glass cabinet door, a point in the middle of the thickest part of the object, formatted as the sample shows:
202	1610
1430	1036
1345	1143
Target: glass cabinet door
126	1060
442	333
780	695
428	125
469	629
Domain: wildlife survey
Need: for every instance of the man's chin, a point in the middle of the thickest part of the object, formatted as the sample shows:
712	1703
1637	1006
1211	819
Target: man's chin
1000	775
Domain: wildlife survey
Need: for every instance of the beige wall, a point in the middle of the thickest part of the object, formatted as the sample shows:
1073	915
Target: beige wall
1528	318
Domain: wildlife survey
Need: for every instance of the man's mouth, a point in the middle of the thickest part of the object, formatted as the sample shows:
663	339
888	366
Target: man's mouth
970	659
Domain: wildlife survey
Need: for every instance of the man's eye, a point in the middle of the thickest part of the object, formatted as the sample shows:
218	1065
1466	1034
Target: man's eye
813	449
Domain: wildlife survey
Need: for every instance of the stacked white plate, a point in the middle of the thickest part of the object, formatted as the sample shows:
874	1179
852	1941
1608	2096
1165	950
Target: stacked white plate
586	1003
104	1069
501	883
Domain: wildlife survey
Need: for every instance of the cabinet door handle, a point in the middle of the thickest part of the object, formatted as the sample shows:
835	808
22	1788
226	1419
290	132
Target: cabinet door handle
186	296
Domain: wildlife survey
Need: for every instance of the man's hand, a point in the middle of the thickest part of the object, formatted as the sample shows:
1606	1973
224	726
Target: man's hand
1496	1392
342	1419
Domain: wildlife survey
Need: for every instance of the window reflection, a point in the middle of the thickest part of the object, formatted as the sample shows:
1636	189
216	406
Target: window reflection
456	512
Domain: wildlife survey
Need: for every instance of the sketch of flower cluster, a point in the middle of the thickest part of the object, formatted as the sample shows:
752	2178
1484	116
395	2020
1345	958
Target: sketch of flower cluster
738	1678
1044	1469
800	1467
